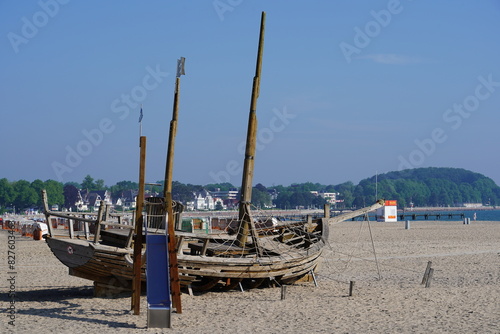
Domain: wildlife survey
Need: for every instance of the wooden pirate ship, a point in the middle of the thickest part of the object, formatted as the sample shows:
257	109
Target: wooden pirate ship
258	250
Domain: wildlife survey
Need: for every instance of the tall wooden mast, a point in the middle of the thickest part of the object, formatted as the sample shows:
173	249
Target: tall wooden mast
248	167
167	194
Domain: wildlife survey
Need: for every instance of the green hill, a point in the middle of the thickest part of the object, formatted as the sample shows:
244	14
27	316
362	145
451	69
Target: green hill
429	187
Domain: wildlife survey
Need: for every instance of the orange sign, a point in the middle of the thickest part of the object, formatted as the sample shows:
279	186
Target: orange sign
391	203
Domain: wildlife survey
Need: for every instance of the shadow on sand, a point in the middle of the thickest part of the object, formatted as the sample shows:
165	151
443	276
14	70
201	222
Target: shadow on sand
68	309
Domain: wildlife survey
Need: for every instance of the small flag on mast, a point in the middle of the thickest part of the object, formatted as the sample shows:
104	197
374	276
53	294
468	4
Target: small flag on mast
180	67
140	116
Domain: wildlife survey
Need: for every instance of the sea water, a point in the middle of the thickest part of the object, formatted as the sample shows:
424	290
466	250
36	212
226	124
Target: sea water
488	215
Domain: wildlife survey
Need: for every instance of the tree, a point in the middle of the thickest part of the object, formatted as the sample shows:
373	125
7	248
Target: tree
37	186
226	186
184	192
260	198
283	200
260	187
70	196
6	193
346	191
25	196
75	184
431	186
318	201
88	183
120	187
55	192
99	185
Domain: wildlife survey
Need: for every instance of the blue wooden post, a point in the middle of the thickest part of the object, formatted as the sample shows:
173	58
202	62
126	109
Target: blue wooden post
158	282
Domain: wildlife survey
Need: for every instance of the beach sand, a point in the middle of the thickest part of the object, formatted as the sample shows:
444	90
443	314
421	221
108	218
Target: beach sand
388	297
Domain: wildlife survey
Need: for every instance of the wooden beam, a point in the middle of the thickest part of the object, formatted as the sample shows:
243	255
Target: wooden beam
350	215
136	283
167	195
172	254
98	223
245	220
70	227
47	212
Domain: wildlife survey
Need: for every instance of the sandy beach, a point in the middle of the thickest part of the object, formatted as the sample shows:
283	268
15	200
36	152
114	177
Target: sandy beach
388	296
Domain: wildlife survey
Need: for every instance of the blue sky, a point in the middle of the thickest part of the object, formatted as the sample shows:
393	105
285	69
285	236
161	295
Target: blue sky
348	88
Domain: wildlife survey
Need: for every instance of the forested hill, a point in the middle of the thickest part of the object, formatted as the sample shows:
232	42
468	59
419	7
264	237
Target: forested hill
429	187
422	187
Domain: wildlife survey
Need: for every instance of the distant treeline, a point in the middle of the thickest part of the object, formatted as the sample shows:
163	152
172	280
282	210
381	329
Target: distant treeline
430	186
420	187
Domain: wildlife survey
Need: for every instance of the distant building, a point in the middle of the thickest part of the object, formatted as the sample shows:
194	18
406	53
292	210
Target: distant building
329	197
389	212
226	194
92	199
127	199
473	205
203	200
273	193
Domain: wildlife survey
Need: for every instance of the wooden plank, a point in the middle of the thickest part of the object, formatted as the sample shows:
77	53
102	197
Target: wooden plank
86	230
70	227
128	242
173	263
277	261
108	249
69	253
98	224
248	267
204	248
193	235
46	211
106	223
71	216
180	244
250	274
353	214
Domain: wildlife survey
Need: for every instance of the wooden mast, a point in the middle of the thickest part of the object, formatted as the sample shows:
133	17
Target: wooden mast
136	281
248	167
167	194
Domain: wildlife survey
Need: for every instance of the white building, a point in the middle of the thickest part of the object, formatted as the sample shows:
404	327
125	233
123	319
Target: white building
389	212
203	201
329	197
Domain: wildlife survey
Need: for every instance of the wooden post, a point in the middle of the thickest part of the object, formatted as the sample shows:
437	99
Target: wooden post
98	223
314	278
426	273
86	229
351	288
326	210
245	219
136	281
167	195
283	292
407	225
172	257
429	278
106	213
70	227
47	212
